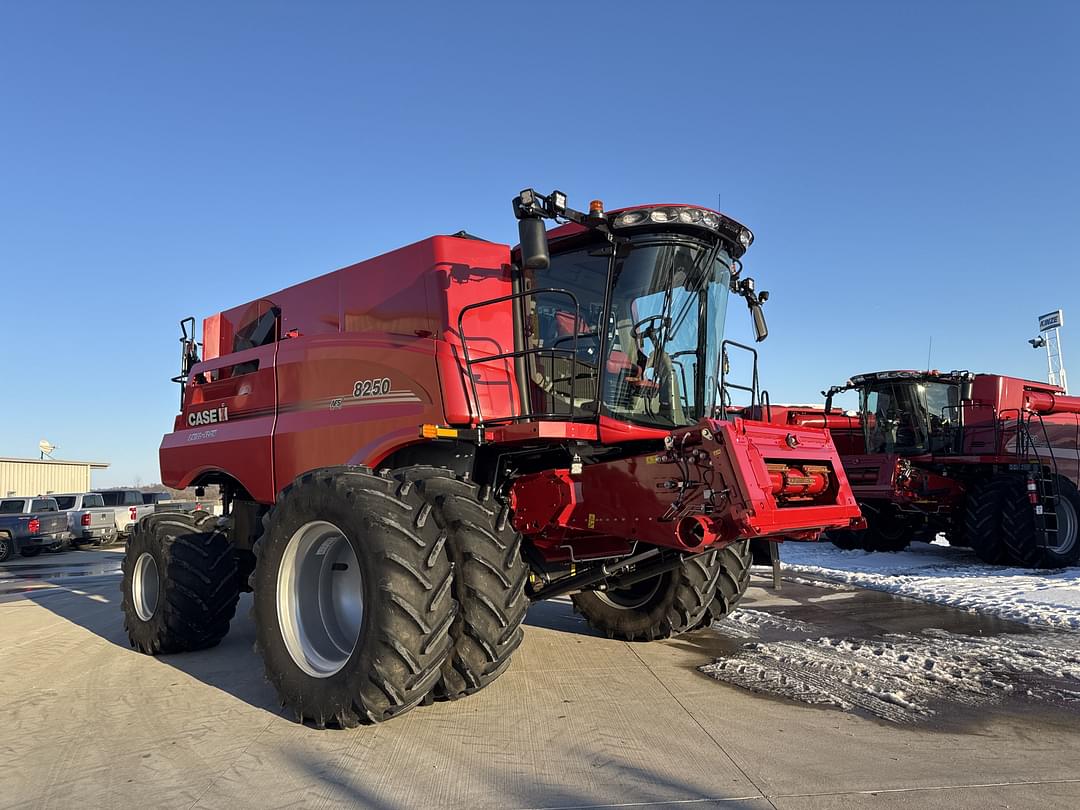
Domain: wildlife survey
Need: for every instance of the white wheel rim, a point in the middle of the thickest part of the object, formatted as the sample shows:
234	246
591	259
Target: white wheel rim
1067	524
145	585
320	599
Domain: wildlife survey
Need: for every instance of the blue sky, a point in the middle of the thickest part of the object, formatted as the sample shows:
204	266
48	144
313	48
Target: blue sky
908	169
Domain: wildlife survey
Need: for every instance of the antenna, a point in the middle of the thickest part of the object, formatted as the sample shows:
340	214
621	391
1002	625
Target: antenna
46	447
929	351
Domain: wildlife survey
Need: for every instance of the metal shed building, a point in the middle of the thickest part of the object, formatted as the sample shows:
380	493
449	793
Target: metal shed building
31	476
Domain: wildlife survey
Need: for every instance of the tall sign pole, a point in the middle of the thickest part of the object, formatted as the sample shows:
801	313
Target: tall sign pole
1050	329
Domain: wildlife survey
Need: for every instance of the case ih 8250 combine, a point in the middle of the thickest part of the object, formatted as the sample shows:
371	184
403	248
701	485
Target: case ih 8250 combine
412	448
989	460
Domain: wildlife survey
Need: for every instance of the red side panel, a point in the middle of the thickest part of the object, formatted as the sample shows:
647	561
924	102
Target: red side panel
226	423
345	397
360	375
356	361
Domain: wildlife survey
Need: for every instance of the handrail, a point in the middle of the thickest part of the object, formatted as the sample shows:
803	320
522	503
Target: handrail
552	351
725	385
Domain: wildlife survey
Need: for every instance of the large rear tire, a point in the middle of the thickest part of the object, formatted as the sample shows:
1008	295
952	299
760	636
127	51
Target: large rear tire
660	607
1024	541
489	579
982	518
352	597
178	586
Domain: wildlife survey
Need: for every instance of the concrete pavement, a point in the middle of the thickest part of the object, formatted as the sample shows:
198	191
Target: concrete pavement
578	721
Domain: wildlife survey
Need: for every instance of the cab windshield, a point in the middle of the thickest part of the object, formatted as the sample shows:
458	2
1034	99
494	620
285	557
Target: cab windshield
659	335
909	417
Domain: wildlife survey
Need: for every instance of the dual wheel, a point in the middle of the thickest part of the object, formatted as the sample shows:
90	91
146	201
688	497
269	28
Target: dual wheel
372	593
1000	524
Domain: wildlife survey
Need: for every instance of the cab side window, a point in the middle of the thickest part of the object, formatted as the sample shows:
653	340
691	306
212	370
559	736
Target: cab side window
261	330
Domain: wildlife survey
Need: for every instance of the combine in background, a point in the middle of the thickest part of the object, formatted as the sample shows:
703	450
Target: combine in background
989	460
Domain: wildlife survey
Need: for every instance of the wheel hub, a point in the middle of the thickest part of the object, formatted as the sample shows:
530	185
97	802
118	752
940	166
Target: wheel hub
145	586
320	598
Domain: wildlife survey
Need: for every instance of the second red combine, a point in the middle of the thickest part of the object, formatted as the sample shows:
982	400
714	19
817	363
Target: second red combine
986	459
412	448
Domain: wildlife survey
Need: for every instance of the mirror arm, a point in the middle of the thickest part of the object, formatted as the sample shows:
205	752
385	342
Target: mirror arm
754	300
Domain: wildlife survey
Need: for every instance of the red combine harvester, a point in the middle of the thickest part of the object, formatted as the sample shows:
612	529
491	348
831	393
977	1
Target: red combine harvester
412	448
989	460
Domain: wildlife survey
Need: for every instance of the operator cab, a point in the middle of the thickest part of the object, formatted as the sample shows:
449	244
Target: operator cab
909	413
624	316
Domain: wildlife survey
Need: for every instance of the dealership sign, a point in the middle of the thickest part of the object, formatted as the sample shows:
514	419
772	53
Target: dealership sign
1051	320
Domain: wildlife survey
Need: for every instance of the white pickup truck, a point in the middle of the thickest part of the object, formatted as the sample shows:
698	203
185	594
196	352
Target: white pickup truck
128	508
89	519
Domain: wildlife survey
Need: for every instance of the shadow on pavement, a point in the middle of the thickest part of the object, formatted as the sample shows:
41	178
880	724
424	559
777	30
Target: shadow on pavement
513	779
232	666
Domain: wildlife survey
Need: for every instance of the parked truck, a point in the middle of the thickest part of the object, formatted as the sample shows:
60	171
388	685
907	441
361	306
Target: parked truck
89	520
127	506
988	460
164	502
413	448
29	526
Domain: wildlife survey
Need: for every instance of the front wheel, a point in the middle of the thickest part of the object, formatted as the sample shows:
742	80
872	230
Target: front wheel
983	517
880	535
489	578
352	597
665	605
735	560
845	539
7	548
889	535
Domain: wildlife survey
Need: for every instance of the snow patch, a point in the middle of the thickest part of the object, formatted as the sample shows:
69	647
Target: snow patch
906	678
950	576
748	623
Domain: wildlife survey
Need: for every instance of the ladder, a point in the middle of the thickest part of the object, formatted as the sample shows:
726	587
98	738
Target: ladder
1042	485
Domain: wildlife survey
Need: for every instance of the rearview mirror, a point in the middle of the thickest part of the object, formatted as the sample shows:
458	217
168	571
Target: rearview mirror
534	245
761	329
